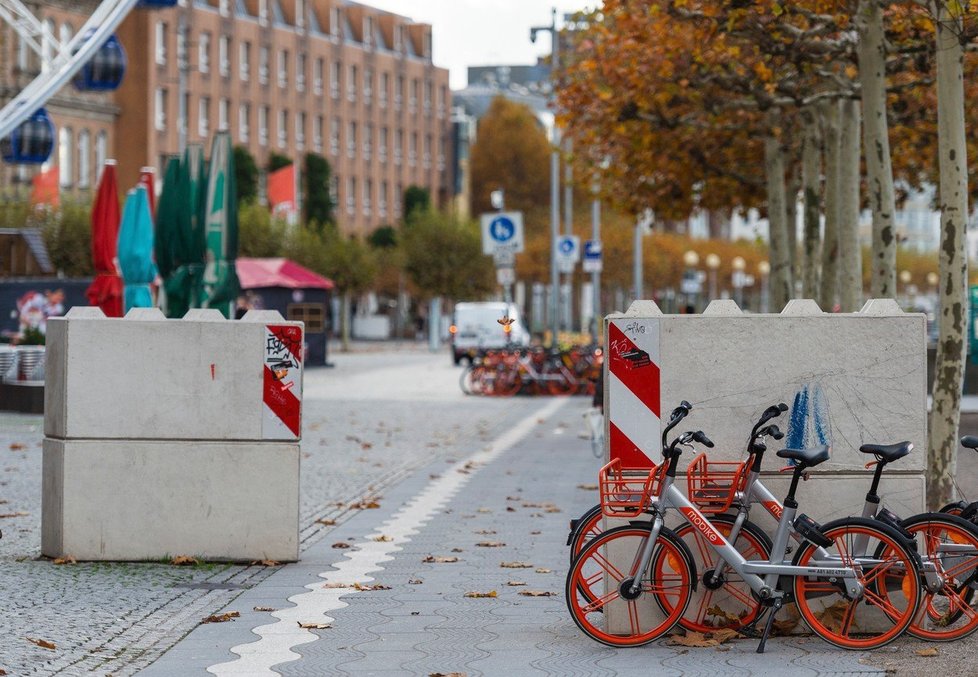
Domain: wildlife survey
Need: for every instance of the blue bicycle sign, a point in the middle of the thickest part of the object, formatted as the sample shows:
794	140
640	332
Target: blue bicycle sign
502	233
502	229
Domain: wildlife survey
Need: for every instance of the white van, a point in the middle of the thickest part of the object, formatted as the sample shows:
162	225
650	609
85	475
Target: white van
476	328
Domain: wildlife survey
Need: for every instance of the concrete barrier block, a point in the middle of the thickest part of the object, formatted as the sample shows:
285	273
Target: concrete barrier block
723	307
881	307
801	307
262	316
206	378
204	315
644	309
148	314
148	500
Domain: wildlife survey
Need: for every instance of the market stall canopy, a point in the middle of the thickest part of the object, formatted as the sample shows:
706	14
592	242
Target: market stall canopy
263	273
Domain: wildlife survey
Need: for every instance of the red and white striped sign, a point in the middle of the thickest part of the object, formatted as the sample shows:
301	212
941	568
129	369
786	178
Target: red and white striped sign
282	382
634	392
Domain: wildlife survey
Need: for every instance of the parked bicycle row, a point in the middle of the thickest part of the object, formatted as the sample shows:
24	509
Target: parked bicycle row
533	371
857	582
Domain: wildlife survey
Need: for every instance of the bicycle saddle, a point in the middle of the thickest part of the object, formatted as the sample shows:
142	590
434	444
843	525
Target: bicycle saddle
970	441
890	452
807	457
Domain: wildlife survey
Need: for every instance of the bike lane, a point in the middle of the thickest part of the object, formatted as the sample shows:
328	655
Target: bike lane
444	533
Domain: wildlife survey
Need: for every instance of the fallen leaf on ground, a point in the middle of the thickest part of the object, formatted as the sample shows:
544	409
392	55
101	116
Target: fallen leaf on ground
724	635
415	581
515	583
515	565
697	639
927	653
340	545
543	570
535	533
514	498
457	550
327	522
588	487
338	585
365	504
537	593
446	674
183	561
17	446
264	608
439	560
13	514
265	563
67	559
415	613
485	532
2	672
717	613
786	625
832	616
479	595
552	508
367	588
43	643
383	538
221	618
314	626
490	544
483	510
510	508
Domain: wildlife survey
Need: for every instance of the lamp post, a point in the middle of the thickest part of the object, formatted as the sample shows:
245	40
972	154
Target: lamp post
713	262
690	286
764	269
738	265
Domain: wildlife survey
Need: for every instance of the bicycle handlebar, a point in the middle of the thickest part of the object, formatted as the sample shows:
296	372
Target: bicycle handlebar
678	414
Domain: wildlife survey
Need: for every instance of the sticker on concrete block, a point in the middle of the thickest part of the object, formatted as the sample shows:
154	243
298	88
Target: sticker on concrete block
282	382
633	391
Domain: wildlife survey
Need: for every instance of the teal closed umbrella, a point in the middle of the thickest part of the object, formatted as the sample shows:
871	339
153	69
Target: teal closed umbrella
221	286
136	250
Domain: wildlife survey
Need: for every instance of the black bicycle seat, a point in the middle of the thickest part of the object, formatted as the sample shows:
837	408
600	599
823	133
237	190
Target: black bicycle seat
970	441
889	452
807	457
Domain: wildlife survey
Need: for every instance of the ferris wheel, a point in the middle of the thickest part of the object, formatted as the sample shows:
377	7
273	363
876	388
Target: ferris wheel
92	59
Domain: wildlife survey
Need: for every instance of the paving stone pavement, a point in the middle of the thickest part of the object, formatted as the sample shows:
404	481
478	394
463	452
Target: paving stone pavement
424	623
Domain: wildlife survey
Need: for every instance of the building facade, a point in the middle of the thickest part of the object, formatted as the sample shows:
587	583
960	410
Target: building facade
351	83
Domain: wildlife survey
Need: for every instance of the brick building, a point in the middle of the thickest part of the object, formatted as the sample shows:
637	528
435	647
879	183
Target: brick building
352	83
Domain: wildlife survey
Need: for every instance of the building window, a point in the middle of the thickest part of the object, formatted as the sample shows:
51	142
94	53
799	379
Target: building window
23	55
398	146
398	92
300	72
283	68
399	39
313	314
300	13
203	117
441	154
334	136
244	61
368	30
368	138
224	7
263	126
64	157
385	83
263	65
398	200
222	115
317	77
244	131
413	103
300	130
263	12
427	97
351	140
382	200
334	189
161	43
283	128
382	145
368	189
413	150
351	84
427	45
427	151
224	56
102	150
368	84
184	115
46	54
84	159
204	53
442	96
335	69
351	195
334	22
317	135
160	108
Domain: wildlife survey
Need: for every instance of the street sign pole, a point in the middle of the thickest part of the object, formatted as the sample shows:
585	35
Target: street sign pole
554	236
596	327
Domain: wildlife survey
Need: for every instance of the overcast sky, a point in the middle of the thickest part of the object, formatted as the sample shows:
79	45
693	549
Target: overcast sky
480	32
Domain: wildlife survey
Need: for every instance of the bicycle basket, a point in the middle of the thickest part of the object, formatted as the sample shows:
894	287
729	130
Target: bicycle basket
627	492
712	485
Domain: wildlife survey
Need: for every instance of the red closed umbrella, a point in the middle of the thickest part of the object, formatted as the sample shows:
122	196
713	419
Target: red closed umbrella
106	289
147	177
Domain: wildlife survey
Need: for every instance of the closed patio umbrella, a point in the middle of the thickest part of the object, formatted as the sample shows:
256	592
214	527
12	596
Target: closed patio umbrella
181	214
136	249
106	289
221	227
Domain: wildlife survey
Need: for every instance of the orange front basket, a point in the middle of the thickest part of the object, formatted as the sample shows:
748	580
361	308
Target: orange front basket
713	485
627	492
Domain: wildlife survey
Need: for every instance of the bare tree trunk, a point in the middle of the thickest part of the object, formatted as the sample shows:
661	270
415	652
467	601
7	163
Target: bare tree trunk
811	176
830	240
850	253
879	172
952	156
792	186
777	224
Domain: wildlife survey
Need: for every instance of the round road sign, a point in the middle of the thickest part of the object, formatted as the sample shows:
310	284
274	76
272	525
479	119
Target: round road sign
502	229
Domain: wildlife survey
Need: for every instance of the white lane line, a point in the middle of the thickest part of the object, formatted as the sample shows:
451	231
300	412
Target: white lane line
276	640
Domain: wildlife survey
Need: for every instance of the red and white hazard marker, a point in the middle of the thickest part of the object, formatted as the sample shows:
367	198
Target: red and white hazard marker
634	392
282	382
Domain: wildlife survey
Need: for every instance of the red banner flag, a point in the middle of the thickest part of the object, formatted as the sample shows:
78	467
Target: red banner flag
45	189
281	194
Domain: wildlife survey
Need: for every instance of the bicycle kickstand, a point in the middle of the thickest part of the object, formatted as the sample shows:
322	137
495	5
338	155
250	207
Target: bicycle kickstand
775	607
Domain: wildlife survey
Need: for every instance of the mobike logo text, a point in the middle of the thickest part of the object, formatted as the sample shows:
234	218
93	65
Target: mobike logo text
705	527
774	508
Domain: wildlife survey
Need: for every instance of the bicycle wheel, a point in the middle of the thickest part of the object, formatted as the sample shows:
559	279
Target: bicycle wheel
505	382
599	576
951	544
471	380
559	381
589	525
727	602
875	618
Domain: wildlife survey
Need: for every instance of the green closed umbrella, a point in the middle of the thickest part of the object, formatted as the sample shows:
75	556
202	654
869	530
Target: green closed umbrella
221	286
181	225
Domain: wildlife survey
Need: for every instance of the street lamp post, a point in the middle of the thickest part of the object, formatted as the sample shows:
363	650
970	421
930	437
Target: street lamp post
738	265
690	283
764	269
713	262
